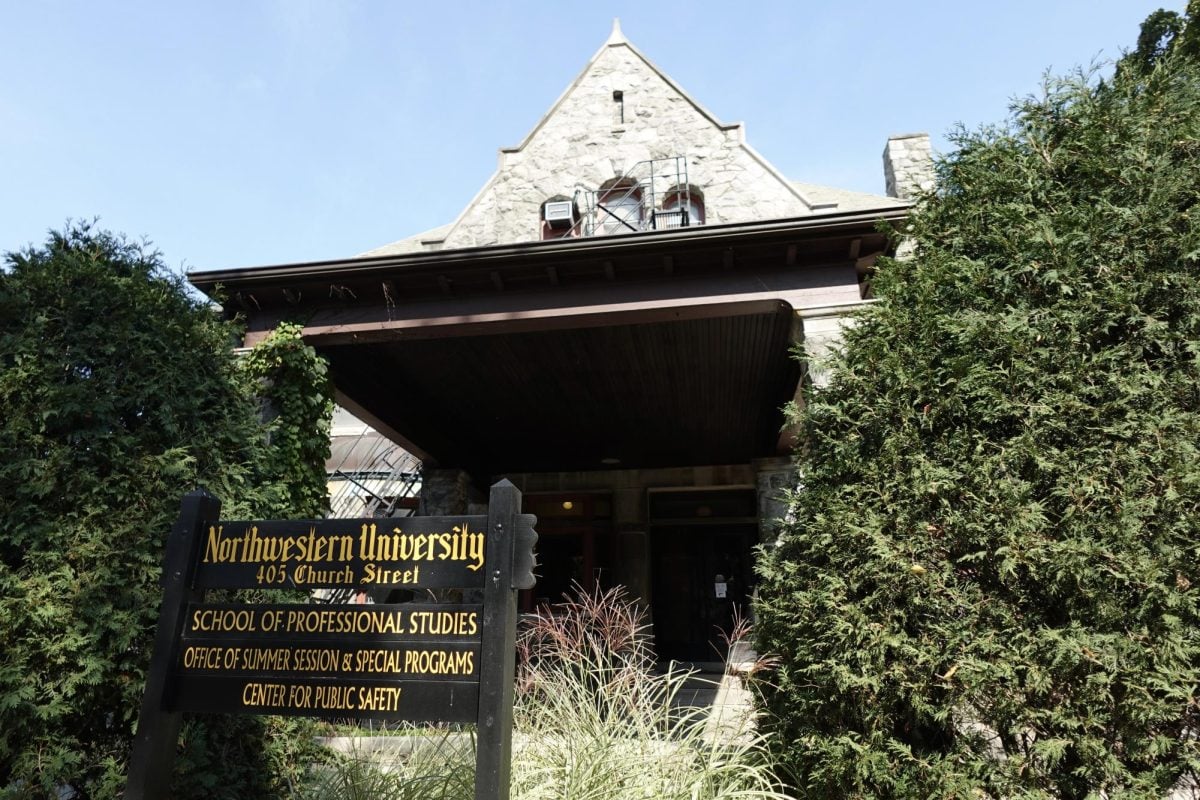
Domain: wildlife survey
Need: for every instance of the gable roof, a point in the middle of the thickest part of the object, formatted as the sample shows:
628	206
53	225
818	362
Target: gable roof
831	199
617	39
576	145
425	240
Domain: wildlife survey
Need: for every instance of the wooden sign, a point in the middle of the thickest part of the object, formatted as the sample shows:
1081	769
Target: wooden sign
410	552
410	661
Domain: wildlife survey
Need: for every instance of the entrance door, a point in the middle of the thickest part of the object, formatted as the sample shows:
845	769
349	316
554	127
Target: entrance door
702	573
574	548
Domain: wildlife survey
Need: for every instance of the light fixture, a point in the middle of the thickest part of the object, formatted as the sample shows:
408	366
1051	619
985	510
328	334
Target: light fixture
568	505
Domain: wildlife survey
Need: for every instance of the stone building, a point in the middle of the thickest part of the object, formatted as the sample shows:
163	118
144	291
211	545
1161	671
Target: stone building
609	323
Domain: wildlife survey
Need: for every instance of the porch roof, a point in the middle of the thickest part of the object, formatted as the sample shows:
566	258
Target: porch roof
648	349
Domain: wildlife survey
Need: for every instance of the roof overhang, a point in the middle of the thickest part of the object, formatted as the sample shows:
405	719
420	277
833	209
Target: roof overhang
647	349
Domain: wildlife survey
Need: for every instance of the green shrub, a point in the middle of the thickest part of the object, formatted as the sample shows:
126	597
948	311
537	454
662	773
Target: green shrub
989	585
118	394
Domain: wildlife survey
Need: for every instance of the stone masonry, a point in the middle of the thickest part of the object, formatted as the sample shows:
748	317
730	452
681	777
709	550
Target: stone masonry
908	165
582	142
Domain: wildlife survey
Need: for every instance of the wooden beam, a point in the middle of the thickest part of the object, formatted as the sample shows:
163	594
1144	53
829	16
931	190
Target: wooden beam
361	412
552	274
570	308
543	320
154	744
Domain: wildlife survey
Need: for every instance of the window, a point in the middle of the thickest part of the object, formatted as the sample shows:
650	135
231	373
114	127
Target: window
682	207
619	206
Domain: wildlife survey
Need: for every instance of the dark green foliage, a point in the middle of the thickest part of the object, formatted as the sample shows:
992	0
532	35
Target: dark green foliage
118	393
990	587
1162	32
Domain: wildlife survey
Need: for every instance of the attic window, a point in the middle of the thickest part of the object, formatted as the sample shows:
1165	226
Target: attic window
618	107
619	207
683	206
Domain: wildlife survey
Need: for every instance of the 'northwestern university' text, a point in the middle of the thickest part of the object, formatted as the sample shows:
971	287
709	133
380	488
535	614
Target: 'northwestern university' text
344	553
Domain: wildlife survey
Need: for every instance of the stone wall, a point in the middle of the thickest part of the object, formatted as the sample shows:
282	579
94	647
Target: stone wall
583	142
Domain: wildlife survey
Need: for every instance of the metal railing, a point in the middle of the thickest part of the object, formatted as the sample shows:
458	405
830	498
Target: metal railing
651	195
372	477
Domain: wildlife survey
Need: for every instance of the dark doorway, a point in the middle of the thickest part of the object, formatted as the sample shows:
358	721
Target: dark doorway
701	569
574	547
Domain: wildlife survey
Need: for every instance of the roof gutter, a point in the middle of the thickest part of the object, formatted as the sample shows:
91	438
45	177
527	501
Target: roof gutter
728	234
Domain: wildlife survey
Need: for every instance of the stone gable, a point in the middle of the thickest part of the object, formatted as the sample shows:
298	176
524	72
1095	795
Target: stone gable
589	137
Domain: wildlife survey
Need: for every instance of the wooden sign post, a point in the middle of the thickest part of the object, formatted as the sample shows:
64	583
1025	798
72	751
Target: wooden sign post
417	662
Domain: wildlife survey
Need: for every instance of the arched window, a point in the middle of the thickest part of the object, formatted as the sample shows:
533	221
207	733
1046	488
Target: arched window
682	207
619	206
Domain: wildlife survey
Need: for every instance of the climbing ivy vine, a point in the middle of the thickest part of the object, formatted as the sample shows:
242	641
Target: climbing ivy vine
297	405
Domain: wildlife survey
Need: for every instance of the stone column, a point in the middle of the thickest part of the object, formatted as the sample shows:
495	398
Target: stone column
774	477
449	491
821	333
819	330
445	493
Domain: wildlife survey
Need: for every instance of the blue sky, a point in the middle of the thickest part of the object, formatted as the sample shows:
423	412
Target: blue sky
277	131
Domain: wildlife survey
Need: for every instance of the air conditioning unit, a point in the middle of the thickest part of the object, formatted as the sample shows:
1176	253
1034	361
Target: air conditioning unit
560	214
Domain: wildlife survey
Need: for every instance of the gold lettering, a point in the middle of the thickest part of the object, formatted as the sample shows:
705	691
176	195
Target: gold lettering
196	657
316	660
378	698
439	662
264	695
213	546
306	575
443	623
476	554
242	620
271	659
339	621
335	697
458	544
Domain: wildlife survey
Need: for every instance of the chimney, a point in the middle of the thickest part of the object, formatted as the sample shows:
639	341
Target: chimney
908	165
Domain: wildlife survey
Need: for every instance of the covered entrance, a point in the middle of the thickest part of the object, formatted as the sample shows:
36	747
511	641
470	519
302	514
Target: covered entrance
574	551
648	369
701	544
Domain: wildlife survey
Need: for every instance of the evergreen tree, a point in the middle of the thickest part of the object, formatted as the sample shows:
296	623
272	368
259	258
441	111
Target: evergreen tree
989	582
118	394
